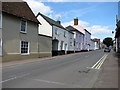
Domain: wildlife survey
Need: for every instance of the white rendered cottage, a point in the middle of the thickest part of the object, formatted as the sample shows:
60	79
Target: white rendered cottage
60	42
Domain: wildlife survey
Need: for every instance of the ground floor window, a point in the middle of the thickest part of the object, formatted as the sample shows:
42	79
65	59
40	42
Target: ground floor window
24	47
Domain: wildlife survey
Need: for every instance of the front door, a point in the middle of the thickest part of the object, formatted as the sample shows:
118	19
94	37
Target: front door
65	48
61	46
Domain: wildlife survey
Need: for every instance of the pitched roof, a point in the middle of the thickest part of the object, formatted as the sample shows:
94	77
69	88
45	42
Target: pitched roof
51	21
87	31
71	28
19	9
79	28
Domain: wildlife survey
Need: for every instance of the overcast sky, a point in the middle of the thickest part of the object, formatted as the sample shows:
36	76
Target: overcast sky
97	17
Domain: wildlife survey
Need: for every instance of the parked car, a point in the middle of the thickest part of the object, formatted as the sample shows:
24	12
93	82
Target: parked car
107	49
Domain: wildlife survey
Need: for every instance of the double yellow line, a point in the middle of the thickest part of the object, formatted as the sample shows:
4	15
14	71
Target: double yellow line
101	62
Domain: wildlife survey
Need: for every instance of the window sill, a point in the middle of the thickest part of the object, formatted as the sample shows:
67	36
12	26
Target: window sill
23	32
25	54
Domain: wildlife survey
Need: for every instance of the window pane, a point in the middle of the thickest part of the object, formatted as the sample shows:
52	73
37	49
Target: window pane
24	47
23	25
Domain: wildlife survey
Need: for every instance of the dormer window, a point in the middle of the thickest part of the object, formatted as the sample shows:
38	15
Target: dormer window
23	26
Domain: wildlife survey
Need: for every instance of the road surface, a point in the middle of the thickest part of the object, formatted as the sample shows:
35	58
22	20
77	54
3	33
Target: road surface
80	70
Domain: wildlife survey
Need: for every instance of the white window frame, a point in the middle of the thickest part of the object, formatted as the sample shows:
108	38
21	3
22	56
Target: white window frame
1	47
1	20
28	48
64	33
56	31
25	26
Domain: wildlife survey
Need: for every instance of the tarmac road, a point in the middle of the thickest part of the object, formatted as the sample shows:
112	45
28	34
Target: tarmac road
80	70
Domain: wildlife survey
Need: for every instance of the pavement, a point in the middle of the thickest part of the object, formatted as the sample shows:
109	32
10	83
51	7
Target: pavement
109	73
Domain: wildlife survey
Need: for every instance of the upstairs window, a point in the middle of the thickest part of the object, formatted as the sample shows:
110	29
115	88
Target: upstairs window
23	26
56	31
24	47
70	36
64	34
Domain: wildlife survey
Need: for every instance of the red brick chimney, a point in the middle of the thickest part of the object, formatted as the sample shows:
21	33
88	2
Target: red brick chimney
76	21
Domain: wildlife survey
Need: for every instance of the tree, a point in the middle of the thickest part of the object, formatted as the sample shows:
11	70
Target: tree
108	41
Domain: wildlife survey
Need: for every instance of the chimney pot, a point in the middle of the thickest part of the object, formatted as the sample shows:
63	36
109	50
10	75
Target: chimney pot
58	22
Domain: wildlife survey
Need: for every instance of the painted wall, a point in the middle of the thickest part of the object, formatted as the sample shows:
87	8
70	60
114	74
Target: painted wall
92	45
79	40
45	46
0	34
12	37
87	40
96	45
45	28
60	37
70	41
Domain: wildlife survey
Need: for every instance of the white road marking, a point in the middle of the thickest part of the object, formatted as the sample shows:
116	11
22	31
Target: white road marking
97	62
15	78
49	82
58	83
90	68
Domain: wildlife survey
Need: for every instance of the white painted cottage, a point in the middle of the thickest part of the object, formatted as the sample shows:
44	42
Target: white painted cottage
62	40
86	37
78	38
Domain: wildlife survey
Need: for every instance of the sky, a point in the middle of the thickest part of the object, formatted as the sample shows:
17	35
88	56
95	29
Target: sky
99	18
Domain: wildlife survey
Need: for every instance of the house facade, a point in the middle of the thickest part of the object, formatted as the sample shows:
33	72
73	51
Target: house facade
19	32
117	34
0	34
86	36
117	37
87	40
71	46
92	44
60	41
78	38
96	45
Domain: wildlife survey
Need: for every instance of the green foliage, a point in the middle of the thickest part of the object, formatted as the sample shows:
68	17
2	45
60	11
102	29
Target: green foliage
108	41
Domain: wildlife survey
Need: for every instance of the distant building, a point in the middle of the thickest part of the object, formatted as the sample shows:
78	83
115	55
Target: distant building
98	42
92	44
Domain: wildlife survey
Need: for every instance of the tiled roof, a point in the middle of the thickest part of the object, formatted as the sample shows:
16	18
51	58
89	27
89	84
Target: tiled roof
51	21
19	9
